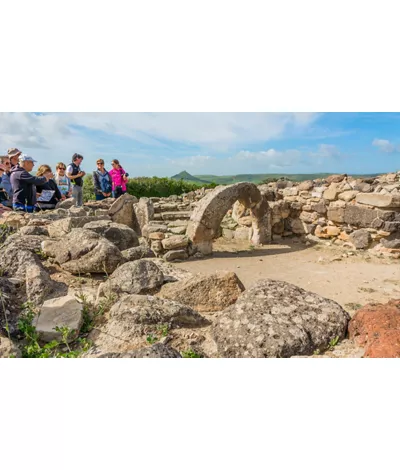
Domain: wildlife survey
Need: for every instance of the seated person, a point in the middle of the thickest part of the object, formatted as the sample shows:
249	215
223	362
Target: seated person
6	192
62	180
50	185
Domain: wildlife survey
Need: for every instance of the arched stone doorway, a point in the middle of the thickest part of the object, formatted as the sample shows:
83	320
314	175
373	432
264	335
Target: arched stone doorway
206	219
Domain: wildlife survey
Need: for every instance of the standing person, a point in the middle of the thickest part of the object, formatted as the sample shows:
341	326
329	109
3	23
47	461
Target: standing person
50	185
119	178
6	188
75	174
23	183
102	181
14	155
62	180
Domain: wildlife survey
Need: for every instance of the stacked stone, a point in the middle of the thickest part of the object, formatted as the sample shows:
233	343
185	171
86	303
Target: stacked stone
343	210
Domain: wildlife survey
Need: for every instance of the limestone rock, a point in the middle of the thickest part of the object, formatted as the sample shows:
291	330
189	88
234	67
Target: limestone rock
205	292
137	252
34	230
122	212
305	185
377	328
335	178
278	319
361	239
144	211
171	272
135	277
84	251
60	228
9	307
175	242
59	312
174	255
332	192
134	317
122	236
348	196
379	200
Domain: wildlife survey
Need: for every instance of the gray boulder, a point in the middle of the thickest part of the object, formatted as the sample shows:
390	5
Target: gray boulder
84	251
361	239
59	312
34	230
278	319
134	317
137	252
135	277
121	235
22	263
121	211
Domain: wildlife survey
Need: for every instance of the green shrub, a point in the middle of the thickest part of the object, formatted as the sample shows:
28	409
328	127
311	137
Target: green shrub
148	187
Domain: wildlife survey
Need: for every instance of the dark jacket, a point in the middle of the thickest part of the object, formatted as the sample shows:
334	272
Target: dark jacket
23	184
52	186
96	182
75	170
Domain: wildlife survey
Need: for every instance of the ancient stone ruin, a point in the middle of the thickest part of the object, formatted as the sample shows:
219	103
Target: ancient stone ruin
102	272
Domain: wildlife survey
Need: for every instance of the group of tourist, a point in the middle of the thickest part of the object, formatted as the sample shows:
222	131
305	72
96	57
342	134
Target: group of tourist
21	191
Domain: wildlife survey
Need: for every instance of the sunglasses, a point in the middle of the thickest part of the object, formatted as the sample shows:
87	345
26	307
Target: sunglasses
61	168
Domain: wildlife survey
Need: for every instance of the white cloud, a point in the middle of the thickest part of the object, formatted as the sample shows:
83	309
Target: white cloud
197	161
384	145
271	158
221	130
326	151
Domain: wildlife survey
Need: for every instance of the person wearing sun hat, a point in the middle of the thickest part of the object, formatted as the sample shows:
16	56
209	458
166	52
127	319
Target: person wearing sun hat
14	154
24	184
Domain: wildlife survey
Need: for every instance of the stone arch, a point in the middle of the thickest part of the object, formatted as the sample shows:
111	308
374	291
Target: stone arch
206	219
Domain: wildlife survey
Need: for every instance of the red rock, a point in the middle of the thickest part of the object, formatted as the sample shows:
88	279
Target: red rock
376	327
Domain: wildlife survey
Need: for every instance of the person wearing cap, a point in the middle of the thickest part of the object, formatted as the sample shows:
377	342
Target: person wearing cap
75	174
14	155
24	184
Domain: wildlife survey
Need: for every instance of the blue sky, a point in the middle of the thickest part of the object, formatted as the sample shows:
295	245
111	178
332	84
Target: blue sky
163	144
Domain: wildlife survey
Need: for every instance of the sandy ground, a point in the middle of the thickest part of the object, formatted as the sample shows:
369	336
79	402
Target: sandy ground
352	281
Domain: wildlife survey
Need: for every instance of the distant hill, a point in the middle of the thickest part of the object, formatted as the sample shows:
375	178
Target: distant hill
252	177
184	175
258	178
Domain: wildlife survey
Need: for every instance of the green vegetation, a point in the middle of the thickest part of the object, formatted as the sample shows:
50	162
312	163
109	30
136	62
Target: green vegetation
32	347
190	354
5	231
149	187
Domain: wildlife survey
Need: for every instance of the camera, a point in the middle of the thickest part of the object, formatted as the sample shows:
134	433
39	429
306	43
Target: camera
126	174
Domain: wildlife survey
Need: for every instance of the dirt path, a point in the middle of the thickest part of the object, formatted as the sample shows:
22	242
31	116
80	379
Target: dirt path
352	281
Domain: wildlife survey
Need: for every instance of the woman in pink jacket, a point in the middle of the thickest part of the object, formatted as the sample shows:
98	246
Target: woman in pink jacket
119	178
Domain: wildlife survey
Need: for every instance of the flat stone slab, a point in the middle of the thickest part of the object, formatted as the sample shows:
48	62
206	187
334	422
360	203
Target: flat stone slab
60	312
379	200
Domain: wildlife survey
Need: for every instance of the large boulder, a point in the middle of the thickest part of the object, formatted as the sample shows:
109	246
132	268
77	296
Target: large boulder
60	228
22	263
278	319
377	328
59	312
121	235
84	251
121	211
134	317
361	239
171	272
144	211
135	277
137	252
205	292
